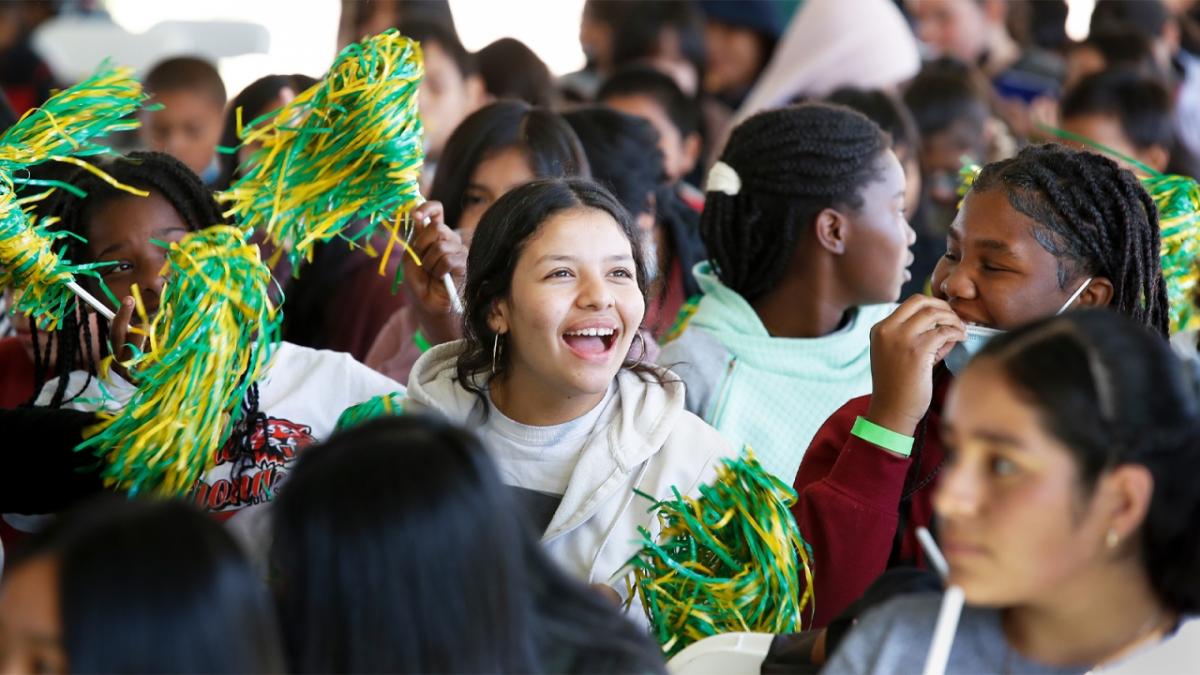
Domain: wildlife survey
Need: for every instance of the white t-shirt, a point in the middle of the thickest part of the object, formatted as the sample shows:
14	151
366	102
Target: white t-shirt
302	393
542	458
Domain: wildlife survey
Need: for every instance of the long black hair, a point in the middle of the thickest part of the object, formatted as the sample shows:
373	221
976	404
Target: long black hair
1113	393
155	587
499	240
546	140
398	549
152	171
792	163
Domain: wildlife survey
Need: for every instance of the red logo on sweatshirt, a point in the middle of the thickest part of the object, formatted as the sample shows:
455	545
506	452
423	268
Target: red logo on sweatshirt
273	447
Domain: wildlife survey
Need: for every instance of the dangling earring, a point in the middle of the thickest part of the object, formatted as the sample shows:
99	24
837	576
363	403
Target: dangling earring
495	351
1112	538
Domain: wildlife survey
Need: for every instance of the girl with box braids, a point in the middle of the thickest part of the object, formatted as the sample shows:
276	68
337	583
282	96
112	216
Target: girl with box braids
787	165
152	171
1095	217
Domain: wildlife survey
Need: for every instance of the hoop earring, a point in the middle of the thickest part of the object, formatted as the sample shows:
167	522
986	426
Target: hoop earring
495	352
641	347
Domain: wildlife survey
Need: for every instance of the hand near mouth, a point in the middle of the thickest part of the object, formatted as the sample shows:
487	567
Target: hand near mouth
124	338
904	349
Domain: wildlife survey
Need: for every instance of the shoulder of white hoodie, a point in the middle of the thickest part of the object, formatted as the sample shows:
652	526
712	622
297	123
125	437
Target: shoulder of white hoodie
652	426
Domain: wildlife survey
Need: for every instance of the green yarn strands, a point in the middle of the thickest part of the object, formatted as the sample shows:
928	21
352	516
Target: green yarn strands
29	264
1178	201
61	130
210	340
732	560
384	405
348	150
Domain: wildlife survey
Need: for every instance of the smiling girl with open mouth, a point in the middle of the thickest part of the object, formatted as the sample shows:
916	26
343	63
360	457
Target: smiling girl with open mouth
554	296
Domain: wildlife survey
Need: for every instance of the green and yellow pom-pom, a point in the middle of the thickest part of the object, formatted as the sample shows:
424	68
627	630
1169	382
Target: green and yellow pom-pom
966	177
1178	202
348	150
211	339
384	405
29	264
65	126
731	561
682	318
63	129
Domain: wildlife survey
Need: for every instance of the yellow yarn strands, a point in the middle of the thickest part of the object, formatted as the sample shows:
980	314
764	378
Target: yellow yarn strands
1178	202
384	405
60	130
211	339
732	560
347	150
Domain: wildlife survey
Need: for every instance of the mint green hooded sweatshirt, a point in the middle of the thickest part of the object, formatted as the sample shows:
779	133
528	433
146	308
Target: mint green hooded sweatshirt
770	393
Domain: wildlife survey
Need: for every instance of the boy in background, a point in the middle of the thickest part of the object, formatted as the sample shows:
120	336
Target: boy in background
1124	110
450	90
189	124
655	97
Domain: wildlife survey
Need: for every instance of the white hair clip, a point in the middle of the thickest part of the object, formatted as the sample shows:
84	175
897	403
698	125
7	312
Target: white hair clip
723	178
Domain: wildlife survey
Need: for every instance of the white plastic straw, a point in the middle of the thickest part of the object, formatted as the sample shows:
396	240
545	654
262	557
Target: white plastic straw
447	280
943	632
91	300
455	302
936	559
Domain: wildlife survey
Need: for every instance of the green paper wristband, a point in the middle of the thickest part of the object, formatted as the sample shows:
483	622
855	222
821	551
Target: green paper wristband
420	341
882	436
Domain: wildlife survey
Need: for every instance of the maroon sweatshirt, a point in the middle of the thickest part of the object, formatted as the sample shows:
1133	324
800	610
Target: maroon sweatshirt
849	502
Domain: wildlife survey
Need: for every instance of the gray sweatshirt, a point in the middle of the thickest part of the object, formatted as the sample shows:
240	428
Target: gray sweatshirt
894	638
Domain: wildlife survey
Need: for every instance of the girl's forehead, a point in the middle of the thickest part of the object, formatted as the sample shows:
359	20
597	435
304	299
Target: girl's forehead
989	217
582	231
126	215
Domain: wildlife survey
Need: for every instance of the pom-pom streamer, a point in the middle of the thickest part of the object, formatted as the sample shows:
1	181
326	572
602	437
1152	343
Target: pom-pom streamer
384	405
347	150
61	130
210	340
732	560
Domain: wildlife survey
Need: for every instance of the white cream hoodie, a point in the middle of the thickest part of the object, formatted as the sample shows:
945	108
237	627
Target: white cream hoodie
651	444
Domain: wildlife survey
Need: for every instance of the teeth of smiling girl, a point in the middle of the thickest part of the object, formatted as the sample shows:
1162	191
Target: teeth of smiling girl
592	332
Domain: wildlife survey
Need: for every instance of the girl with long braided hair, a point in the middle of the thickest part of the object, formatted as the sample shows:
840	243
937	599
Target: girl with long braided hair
807	244
1047	231
295	401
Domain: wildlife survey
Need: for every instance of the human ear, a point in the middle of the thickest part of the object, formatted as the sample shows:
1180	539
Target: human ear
1123	496
477	94
498	317
830	228
1099	293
